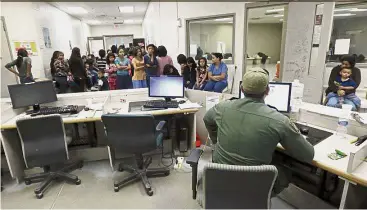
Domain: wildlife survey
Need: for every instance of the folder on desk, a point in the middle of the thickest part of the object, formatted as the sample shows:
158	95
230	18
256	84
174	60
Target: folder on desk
189	106
356	159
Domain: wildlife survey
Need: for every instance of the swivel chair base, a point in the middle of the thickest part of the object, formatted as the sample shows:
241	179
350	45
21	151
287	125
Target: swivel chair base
142	173
48	176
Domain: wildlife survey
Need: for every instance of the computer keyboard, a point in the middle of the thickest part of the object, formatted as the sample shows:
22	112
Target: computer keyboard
70	109
161	104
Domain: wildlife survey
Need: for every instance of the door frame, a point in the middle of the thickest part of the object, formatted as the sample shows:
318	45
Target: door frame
94	38
9	44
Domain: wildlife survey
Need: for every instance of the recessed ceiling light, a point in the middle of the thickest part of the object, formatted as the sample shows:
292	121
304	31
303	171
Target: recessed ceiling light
343	15
278	15
77	10
126	9
275	10
358	10
128	21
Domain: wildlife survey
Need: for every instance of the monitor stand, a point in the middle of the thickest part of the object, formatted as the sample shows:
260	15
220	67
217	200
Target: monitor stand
167	99
36	109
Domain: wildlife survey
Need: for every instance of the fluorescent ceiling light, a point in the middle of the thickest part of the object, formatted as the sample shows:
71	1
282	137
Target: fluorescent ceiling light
343	9
93	22
278	15
274	10
223	19
281	20
358	10
129	21
77	10
343	15
126	9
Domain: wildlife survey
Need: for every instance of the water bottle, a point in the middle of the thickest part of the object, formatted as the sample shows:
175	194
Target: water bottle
342	128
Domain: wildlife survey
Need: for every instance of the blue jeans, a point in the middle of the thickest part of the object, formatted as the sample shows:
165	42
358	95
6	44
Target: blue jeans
124	82
336	101
215	86
24	80
200	88
139	84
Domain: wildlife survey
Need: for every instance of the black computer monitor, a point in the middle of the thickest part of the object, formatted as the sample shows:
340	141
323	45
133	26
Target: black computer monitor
32	94
279	96
167	87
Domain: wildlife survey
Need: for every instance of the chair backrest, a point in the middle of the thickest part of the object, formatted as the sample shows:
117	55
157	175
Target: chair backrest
43	140
133	134
238	187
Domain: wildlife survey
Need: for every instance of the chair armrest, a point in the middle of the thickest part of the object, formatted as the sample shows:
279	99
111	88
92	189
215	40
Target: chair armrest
160	126
194	157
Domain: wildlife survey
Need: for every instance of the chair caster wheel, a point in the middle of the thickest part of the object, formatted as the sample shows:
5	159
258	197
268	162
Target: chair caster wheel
167	173
80	165
27	182
78	182
150	192
116	189
39	196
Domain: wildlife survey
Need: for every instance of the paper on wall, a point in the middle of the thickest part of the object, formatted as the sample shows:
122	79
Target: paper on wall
342	46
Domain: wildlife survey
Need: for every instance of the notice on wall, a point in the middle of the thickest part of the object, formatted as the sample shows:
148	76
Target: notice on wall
46	37
342	46
30	46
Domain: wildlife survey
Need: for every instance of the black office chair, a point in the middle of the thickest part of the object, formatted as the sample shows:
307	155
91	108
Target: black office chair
44	145
135	134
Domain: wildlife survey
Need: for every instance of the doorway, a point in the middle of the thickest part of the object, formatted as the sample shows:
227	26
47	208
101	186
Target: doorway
6	56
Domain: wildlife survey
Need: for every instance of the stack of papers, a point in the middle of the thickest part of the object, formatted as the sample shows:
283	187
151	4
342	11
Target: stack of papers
363	117
189	106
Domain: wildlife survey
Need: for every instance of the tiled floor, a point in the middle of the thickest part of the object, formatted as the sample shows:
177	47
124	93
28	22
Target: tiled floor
96	191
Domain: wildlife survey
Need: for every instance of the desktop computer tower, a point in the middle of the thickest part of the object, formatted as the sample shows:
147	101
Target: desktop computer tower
182	135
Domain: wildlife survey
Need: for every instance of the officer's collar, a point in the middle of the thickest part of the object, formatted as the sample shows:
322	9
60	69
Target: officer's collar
261	100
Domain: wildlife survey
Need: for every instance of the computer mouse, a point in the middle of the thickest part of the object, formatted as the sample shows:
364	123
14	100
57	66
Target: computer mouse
182	102
304	130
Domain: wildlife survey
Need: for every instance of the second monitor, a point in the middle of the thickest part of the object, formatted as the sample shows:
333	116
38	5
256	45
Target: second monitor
167	87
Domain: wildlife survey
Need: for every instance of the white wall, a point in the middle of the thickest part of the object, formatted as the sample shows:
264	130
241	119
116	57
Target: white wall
265	38
28	27
136	30
215	33
160	25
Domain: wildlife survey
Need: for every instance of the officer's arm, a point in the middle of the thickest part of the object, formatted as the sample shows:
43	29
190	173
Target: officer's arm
295	144
210	123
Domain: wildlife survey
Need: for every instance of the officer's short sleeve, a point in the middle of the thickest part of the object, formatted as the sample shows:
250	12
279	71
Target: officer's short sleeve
294	143
210	119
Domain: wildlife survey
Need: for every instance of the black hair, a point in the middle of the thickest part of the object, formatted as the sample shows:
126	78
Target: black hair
102	53
350	59
90	61
131	51
167	68
91	55
75	52
206	62
54	56
162	51
151	45
108	58
218	55
191	60
84	57
114	49
135	52
181	59
21	54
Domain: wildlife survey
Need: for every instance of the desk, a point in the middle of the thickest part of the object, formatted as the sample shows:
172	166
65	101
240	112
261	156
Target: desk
111	100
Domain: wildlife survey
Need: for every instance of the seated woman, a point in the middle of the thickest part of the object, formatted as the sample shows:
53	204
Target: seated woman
344	83
170	70
348	61
217	74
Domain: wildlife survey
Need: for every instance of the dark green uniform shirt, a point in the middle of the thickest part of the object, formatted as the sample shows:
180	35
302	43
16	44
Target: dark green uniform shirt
247	131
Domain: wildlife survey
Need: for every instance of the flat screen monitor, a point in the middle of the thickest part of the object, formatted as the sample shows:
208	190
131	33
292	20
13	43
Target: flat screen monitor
167	87
279	96
31	94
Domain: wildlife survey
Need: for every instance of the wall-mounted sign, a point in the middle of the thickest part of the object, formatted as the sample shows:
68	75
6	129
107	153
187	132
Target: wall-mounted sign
30	46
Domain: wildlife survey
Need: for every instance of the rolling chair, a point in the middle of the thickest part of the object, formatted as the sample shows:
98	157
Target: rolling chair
135	134
44	144
245	187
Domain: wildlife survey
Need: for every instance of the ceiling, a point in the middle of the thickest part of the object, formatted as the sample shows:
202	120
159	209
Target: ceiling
260	14
105	13
352	10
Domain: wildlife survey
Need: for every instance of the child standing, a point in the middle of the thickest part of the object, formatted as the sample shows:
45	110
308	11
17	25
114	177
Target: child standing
123	80
111	69
344	84
139	78
201	74
102	81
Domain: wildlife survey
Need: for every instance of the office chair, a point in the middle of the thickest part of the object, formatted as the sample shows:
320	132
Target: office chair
135	134
233	186
44	145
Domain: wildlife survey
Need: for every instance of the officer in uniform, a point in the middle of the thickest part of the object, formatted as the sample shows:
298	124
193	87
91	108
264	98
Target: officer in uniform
247	131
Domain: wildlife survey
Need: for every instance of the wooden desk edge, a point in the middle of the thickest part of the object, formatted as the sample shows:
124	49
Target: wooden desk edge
335	171
95	119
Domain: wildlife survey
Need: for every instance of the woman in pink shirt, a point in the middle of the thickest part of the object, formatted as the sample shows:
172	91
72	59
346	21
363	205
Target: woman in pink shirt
163	59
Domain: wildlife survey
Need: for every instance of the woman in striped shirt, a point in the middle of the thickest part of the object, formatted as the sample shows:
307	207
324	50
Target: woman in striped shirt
101	61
